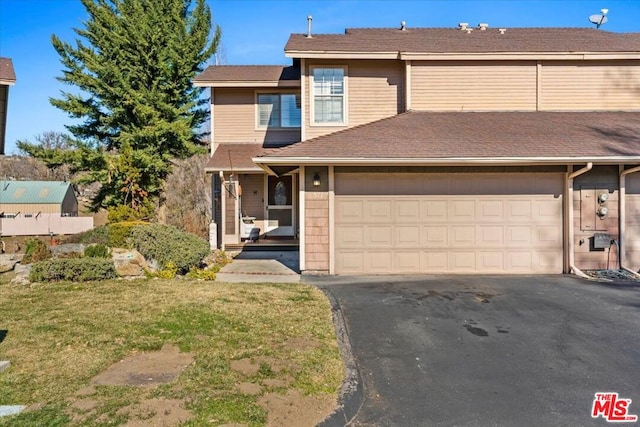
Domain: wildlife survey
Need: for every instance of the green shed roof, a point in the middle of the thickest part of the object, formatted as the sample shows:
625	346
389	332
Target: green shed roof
33	191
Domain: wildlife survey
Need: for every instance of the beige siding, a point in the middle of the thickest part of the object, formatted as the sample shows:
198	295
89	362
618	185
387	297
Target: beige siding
632	229
234	115
375	90
477	86
586	188
30	208
590	85
446	223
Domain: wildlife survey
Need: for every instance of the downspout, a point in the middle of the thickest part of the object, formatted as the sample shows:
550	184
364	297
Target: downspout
223	208
622	218
572	268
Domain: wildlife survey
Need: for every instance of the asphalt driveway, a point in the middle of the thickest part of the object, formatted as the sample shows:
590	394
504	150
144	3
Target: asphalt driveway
490	350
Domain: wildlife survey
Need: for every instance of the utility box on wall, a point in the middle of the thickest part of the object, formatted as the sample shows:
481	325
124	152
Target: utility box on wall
601	241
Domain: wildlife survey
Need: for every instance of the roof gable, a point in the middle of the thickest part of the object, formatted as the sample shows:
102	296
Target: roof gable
33	192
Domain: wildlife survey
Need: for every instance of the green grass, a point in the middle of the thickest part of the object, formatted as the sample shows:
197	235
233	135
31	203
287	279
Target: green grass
61	335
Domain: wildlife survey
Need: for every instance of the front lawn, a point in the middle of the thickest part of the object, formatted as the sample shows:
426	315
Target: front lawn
252	346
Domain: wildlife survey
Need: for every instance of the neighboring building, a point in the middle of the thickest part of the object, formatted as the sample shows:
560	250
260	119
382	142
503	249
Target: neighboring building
437	150
7	78
40	208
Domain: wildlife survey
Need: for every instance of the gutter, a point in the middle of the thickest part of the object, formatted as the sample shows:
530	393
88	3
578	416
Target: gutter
569	203
622	219
449	161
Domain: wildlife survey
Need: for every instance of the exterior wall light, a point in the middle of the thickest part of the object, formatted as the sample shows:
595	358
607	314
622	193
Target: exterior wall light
316	180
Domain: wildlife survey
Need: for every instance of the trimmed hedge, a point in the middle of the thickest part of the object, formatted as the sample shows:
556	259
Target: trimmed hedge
73	269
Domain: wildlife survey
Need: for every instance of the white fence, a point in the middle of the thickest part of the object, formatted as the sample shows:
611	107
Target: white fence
44	225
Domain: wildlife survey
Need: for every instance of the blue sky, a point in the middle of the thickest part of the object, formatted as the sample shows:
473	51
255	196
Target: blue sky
255	32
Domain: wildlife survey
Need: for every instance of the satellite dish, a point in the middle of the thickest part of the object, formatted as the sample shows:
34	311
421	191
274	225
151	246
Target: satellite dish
599	19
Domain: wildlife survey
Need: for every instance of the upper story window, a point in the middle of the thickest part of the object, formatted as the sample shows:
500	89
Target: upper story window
279	110
329	98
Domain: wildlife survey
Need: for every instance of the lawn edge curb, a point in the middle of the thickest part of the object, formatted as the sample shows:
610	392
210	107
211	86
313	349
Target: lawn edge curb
351	394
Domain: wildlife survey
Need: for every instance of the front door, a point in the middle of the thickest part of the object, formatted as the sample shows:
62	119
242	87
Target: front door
280	206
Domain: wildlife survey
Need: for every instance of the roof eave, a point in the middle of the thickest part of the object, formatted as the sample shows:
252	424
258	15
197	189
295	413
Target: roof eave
518	55
470	56
448	161
248	83
340	54
7	82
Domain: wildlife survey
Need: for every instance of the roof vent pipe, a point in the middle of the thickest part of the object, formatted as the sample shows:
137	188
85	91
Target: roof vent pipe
309	19
483	26
403	26
463	25
502	30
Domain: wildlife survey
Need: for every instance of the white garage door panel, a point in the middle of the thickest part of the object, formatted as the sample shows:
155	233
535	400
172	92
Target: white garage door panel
492	233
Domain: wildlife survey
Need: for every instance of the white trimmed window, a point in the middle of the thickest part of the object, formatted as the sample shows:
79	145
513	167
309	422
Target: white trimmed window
279	110
329	101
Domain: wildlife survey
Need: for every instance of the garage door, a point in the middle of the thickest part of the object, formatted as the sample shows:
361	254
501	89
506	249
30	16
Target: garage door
448	223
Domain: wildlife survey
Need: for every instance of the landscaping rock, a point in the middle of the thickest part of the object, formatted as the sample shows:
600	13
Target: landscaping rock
9	261
22	274
67	249
129	262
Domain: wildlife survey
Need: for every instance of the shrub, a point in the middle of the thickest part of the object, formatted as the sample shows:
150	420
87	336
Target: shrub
99	235
36	250
126	213
200	274
168	272
97	251
73	269
120	234
166	244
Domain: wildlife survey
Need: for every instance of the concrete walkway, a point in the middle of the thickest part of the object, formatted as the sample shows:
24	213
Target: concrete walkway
261	267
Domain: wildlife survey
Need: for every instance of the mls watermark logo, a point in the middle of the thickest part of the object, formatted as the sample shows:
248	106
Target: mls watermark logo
612	408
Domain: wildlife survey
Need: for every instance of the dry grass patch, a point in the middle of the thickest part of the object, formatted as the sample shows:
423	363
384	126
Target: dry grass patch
60	336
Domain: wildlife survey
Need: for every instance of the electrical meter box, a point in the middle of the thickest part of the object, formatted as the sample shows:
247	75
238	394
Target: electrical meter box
601	241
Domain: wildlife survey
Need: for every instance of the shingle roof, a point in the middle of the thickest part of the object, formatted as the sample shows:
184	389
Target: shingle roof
235	157
451	40
7	74
488	135
28	192
251	73
6	70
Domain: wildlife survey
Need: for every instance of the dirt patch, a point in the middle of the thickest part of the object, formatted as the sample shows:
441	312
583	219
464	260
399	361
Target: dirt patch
295	409
84	405
303	343
245	366
146	369
249	388
157	412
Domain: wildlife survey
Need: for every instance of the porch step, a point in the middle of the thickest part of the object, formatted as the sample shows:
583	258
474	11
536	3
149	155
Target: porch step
262	247
272	244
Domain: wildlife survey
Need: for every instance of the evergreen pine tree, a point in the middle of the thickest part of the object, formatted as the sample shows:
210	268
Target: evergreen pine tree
133	63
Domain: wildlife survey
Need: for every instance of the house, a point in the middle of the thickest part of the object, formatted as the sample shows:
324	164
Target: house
40	208
436	150
7	78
